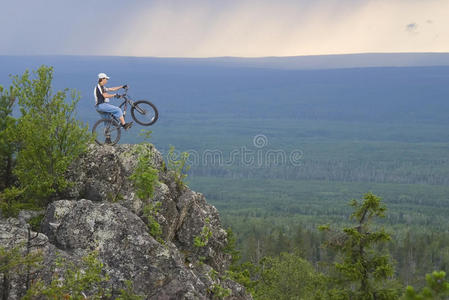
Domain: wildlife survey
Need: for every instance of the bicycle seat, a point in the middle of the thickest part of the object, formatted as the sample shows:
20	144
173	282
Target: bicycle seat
104	115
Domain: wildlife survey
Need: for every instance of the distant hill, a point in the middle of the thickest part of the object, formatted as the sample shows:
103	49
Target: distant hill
363	60
337	61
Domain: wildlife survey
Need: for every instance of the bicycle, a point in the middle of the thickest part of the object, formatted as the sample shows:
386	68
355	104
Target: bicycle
107	130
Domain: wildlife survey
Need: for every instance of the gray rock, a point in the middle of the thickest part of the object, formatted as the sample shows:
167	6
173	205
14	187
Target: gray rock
113	223
124	245
26	215
197	214
183	213
15	235
102	174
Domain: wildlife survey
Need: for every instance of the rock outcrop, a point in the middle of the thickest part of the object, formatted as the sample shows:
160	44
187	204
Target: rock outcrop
101	211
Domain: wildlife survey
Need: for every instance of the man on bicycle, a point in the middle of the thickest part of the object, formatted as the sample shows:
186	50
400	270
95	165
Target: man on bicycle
102	98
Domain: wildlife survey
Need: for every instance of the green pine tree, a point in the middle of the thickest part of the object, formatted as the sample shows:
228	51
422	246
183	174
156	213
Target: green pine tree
437	288
362	272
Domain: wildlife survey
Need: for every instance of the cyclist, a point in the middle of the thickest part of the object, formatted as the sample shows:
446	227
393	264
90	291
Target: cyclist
102	98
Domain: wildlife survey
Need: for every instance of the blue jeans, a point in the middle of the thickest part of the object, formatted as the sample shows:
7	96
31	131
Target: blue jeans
108	108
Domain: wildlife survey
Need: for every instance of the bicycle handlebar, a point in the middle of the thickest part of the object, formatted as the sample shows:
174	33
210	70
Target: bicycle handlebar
124	94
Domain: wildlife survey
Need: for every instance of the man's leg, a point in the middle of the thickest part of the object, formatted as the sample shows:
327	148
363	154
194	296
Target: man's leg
116	111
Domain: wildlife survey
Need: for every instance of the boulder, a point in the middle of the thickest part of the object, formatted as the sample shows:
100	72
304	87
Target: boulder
102	174
17	237
101	212
125	247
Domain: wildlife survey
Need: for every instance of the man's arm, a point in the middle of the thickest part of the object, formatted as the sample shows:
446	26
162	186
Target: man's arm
107	95
112	89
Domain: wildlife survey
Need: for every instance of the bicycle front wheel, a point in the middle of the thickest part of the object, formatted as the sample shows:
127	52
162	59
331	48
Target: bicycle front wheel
144	112
106	132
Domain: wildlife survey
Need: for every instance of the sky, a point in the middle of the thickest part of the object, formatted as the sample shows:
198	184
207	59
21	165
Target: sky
211	28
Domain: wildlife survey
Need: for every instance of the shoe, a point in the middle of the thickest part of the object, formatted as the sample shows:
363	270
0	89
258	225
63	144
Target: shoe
127	126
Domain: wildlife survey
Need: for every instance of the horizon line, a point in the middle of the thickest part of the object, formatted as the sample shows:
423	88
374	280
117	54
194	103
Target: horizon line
231	56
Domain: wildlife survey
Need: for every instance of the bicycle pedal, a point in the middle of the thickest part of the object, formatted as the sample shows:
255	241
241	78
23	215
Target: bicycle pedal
127	126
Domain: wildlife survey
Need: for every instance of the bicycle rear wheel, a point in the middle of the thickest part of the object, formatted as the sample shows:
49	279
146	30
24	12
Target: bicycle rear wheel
106	131
144	112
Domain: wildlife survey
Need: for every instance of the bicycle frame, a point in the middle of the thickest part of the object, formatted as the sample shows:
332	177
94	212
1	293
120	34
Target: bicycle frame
125	102
131	103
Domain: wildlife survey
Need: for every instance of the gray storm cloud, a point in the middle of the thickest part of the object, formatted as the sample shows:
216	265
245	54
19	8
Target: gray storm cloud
228	28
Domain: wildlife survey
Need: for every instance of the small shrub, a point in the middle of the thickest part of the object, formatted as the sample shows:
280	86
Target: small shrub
128	293
216	289
178	166
219	292
12	202
149	211
18	262
35	222
77	282
144	177
203	238
146	134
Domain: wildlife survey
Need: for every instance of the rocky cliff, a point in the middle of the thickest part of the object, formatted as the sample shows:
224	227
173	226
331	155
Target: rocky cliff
101	212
